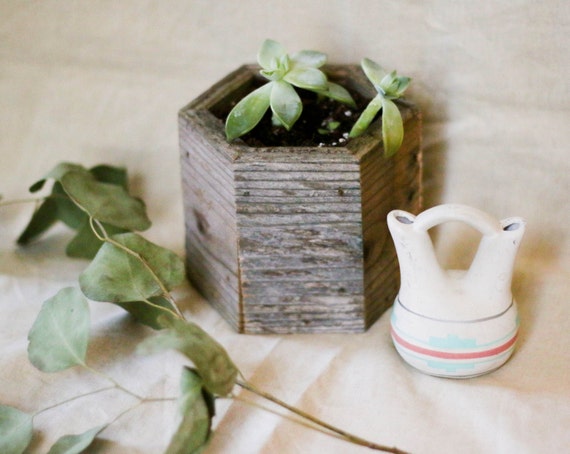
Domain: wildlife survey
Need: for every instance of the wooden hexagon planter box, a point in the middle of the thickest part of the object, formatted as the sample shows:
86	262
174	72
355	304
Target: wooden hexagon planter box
293	239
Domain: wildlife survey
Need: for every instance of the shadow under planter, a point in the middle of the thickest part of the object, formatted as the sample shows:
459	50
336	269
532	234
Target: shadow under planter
293	239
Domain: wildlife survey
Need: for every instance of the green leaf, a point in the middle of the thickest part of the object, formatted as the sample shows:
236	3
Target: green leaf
56	173
194	430
392	128
285	103
210	358
75	444
400	87
128	270
309	58
366	117
308	78
106	202
60	334
248	112
270	54
111	174
16	430
373	71
85	244
338	93
42	219
147	314
67	211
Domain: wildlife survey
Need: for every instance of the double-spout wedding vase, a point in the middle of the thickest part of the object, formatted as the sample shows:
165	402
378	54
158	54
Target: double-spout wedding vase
455	323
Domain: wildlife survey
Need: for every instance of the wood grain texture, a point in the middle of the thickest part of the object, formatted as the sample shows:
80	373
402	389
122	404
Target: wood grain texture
284	240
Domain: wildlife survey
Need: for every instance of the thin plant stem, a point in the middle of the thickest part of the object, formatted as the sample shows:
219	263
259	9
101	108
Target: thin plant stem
115	383
71	399
28	200
335	430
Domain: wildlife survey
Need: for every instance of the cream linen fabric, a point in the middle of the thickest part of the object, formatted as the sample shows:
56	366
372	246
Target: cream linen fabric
95	81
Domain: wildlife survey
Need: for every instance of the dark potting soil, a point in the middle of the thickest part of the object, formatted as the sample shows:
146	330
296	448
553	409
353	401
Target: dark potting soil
324	122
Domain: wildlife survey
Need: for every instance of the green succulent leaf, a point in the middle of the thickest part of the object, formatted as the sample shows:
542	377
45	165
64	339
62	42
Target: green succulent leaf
374	72
148	314
59	336
309	58
392	127
127	269
285	103
16	430
248	112
400	87
105	202
194	430
366	117
308	78
270	54
75	444
338	93
210	359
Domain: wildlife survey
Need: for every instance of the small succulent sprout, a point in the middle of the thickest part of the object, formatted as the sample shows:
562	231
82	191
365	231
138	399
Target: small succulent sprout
389	86
284	72
328	127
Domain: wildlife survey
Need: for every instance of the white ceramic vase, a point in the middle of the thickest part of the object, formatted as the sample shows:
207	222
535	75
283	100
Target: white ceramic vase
455	323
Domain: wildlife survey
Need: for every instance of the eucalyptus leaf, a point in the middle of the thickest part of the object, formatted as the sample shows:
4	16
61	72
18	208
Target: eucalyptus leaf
75	444
85	243
67	211
308	78
105	202
366	117
42	219
59	206
248	112
285	103
128	270
111	174
59	336
70	213
210	359
56	173
147	314
270	53
392	127
16	430
194	430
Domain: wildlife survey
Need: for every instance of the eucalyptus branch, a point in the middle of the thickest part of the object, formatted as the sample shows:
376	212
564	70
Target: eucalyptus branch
335	430
136	275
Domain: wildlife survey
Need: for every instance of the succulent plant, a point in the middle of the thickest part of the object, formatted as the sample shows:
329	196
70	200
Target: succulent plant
389	86
284	72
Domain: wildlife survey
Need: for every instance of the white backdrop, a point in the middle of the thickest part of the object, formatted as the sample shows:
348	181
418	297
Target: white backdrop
102	81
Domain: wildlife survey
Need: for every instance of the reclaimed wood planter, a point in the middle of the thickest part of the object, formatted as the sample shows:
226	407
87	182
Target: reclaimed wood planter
293	239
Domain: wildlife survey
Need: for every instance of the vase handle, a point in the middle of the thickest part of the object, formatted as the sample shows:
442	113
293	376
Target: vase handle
473	217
